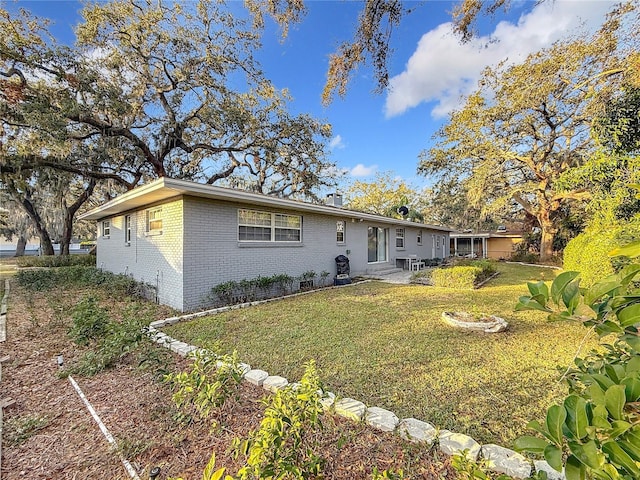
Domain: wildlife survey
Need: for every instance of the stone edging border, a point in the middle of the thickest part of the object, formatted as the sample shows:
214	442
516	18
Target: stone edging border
499	459
535	265
475	287
3	311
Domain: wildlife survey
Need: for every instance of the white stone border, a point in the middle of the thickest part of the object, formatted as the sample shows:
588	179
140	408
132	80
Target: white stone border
500	459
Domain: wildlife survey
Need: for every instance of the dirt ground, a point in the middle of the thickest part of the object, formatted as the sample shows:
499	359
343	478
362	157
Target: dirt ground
49	434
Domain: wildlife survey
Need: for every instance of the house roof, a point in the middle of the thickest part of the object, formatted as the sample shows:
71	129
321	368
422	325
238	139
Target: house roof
485	235
165	188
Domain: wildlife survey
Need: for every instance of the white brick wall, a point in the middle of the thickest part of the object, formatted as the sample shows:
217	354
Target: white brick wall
213	254
199	248
154	259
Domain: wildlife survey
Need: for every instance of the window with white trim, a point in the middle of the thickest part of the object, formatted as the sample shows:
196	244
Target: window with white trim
419	237
127	229
106	228
399	237
340	231
256	226
154	220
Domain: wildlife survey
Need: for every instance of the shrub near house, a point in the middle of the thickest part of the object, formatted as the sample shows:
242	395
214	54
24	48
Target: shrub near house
465	274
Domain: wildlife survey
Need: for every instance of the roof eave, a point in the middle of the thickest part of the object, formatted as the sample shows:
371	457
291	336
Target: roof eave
165	188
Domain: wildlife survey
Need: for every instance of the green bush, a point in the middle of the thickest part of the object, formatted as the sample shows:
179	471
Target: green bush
245	290
79	276
587	253
205	389
118	340
90	321
524	257
594	432
456	277
285	445
56	261
465	274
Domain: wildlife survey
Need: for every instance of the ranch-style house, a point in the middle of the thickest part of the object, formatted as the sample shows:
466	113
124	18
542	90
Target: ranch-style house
185	238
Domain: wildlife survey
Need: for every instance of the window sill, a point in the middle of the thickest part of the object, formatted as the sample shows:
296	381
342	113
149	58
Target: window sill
106	237
153	233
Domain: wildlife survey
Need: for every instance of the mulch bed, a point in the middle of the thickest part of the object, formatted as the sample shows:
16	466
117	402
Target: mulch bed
137	409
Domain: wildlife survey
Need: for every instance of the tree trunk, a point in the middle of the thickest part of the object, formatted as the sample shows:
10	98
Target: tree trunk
25	202
22	243
67	232
45	240
548	233
69	214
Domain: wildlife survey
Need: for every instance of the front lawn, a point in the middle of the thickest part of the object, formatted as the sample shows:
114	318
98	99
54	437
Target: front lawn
387	346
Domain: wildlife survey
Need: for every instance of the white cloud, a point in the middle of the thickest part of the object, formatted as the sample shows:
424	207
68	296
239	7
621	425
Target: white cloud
336	142
361	170
444	70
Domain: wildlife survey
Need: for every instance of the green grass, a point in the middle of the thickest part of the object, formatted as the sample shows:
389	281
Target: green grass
387	346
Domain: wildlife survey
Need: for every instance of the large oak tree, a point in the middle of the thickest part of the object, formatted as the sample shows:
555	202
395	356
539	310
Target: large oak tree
149	90
527	125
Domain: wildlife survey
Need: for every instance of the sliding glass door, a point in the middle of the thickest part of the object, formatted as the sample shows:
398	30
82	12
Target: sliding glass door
377	244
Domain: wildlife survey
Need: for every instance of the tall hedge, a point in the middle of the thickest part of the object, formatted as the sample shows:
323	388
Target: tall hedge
588	253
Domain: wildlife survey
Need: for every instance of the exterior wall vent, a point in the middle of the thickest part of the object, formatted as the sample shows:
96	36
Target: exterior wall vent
334	199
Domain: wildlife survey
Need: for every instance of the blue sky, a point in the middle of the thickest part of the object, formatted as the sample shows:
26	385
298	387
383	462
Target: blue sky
430	71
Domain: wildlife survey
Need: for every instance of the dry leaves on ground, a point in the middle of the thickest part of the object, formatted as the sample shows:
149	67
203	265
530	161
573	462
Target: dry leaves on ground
49	434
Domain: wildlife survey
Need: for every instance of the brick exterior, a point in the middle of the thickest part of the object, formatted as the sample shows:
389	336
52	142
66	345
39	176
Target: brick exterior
152	258
199	248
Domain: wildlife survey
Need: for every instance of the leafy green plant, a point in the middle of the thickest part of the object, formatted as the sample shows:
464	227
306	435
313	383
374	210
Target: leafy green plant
308	275
469	469
248	288
261	287
18	430
595	431
81	276
464	274
118	341
210	382
210	472
387	474
283	446
264	284
587	253
224	291
90	321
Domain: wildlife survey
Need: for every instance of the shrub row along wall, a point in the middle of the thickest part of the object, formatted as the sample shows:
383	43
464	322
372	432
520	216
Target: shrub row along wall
259	288
83	276
56	261
499	459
